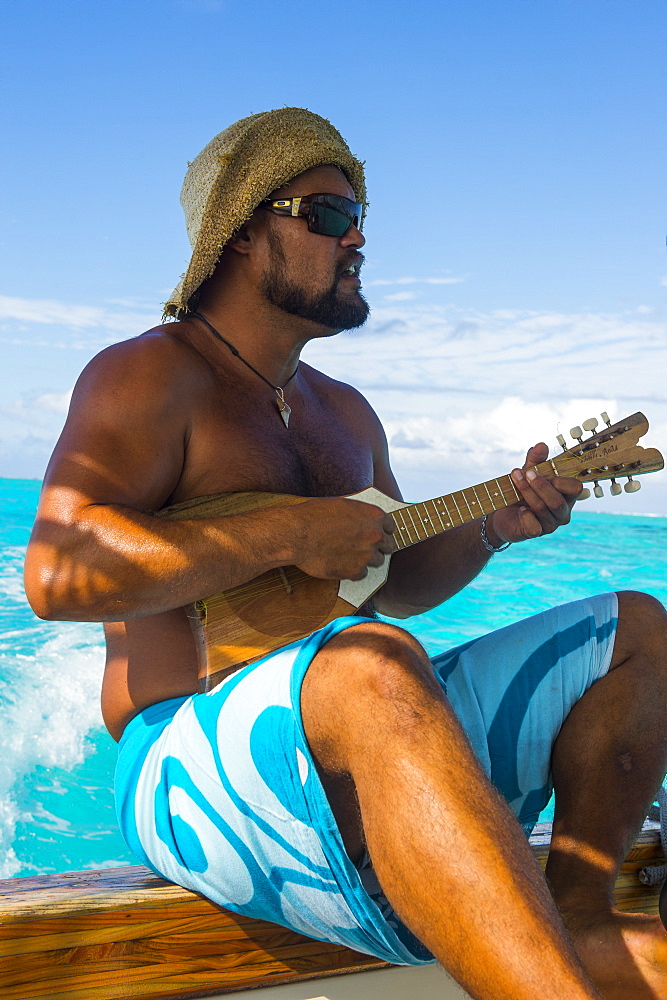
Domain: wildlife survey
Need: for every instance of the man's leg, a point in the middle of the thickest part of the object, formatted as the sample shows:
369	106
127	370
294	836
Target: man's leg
450	856
608	761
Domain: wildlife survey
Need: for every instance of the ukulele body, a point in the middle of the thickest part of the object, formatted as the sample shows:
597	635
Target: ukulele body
244	623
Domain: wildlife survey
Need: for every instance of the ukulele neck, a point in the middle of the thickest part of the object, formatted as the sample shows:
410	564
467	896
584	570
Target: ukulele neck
419	521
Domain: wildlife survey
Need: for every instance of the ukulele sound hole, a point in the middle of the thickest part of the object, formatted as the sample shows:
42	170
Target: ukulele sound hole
288	603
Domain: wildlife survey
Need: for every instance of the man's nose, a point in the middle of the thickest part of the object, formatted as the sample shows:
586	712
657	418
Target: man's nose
353	238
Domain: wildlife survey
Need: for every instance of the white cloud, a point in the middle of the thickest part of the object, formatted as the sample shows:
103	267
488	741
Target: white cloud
51	312
400	296
463	394
48	311
414	281
482	434
54	402
663	281
533	355
39	408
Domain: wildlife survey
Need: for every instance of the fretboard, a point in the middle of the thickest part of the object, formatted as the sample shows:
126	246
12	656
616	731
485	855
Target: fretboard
422	520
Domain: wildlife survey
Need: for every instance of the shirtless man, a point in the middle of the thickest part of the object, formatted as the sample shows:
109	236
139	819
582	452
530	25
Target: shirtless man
232	792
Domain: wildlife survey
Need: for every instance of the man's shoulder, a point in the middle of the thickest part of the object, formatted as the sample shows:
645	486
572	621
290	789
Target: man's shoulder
349	403
154	372
159	347
340	394
334	389
156	355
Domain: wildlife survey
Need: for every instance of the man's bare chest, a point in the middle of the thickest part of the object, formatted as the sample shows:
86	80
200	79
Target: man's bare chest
247	447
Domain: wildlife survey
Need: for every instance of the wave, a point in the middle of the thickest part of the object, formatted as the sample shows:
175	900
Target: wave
50	680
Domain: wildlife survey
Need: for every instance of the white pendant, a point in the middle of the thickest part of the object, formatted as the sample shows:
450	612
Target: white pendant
285	410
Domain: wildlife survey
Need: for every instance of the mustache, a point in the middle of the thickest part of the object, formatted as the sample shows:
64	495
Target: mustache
354	260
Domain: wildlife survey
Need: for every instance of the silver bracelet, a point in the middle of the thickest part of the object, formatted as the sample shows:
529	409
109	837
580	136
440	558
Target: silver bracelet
485	541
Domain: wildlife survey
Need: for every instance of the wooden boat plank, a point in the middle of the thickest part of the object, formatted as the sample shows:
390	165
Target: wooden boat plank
88	970
285	946
98	978
205	918
282	943
77	932
86	893
126	933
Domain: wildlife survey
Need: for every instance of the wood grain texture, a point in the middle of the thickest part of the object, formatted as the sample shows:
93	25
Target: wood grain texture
124	932
223	504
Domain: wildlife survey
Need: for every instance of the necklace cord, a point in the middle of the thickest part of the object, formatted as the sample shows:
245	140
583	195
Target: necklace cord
278	389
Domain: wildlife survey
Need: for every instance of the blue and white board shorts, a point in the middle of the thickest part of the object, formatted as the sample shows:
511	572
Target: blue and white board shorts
219	793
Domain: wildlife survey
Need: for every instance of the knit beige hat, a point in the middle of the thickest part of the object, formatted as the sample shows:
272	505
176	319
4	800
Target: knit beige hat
239	169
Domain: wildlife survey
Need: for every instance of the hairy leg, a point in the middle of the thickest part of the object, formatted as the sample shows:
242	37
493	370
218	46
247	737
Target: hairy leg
449	854
608	762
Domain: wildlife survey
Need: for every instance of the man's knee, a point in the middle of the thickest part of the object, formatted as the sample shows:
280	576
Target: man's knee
370	674
642	629
374	659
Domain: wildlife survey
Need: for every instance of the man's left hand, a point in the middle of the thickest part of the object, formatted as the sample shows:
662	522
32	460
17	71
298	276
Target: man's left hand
545	503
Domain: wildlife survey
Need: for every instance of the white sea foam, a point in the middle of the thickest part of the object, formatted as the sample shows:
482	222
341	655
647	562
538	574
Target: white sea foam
50	678
629	513
11	575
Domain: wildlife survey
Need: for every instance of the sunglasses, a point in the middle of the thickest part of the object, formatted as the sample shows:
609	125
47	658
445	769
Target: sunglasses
327	214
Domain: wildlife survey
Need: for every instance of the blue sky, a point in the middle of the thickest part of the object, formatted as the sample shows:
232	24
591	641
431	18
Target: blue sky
515	155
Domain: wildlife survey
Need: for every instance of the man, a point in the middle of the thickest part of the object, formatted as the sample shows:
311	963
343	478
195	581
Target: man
340	786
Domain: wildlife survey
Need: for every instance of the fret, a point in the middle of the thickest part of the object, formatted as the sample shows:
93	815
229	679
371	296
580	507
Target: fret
449	513
414	526
449	523
479	502
402	528
499	494
423	520
409	513
514	489
475	511
407	534
463	494
486	487
453	496
437	514
426	519
480	510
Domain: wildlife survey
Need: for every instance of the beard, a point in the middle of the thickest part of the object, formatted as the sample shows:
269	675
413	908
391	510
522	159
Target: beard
329	308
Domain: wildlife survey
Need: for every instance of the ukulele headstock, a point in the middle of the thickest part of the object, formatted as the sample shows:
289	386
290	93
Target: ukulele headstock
609	453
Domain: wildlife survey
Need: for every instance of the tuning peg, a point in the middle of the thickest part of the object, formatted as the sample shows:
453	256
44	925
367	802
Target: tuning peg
590	424
615	488
561	441
597	489
576	433
632	485
605	417
584	495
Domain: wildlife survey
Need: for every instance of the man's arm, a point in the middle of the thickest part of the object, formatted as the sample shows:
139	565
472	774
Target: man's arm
430	572
98	554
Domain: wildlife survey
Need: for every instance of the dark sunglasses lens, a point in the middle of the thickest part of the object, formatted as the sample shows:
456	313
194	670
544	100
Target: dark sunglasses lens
332	215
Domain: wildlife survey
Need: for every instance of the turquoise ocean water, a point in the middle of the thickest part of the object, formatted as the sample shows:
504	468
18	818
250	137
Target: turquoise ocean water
56	759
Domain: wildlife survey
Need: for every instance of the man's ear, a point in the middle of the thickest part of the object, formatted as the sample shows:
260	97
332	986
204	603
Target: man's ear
245	238
241	241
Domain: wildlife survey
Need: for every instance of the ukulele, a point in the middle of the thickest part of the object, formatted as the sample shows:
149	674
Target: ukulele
244	623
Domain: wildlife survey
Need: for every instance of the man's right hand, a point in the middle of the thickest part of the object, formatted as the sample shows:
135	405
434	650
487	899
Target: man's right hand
338	539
